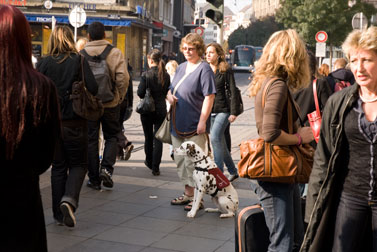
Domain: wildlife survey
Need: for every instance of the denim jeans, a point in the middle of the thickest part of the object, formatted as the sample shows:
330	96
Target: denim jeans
111	129
353	222
282	210
69	166
219	122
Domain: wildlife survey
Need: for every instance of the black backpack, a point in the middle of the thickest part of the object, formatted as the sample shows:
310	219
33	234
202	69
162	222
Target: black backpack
101	73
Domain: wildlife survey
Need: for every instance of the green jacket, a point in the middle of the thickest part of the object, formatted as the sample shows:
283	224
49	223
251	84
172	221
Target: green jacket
324	190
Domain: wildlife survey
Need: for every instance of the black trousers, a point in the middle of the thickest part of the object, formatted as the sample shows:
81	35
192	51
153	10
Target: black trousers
152	147
110	129
69	165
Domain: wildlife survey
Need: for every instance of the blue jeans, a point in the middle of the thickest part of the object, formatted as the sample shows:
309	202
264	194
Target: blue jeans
354	219
219	122
282	210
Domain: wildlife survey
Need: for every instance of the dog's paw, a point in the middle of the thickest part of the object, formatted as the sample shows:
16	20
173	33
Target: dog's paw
227	215
191	214
212	210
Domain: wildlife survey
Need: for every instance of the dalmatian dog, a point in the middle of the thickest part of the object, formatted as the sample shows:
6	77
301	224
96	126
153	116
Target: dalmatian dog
224	196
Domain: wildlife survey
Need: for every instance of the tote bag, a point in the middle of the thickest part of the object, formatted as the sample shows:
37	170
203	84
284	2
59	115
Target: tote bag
265	161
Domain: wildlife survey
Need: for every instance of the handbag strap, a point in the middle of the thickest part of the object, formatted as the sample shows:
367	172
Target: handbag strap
316	96
289	105
82	69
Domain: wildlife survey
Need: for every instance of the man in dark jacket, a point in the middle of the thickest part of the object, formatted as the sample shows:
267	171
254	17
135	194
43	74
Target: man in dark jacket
110	120
340	73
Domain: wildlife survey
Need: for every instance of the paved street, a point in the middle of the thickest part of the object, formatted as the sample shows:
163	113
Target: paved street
136	214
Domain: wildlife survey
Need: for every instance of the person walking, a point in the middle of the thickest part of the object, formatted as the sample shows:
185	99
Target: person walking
285	57
29	129
101	172
63	67
340	74
341	206
305	96
223	112
192	101
158	81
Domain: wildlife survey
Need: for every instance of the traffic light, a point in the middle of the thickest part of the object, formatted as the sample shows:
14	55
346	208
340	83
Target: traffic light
216	14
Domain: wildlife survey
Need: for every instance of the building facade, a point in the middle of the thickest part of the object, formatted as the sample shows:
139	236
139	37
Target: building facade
133	26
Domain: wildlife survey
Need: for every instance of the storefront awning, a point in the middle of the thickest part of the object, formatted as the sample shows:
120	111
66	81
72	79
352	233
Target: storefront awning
64	20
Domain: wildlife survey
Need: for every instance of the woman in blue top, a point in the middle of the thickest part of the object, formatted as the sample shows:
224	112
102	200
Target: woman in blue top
193	104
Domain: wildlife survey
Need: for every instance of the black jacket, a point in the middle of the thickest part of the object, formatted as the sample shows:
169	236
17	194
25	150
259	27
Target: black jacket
305	98
324	186
150	78
63	75
221	103
342	75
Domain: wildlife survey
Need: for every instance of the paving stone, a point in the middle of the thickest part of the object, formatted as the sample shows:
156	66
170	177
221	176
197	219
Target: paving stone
58	242
104	217
94	245
188	243
125	208
82	229
153	224
206	231
131	236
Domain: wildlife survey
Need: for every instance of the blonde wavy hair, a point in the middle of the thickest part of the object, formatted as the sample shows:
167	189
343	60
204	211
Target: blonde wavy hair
357	39
284	56
61	42
222	65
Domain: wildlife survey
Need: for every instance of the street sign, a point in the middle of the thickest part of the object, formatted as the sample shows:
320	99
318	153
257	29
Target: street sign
320	49
48	5
321	37
359	21
77	17
199	30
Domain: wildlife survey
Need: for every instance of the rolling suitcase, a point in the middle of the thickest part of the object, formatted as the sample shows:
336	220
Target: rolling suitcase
251	232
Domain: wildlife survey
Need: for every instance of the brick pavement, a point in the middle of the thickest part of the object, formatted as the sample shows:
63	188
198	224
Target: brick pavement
136	214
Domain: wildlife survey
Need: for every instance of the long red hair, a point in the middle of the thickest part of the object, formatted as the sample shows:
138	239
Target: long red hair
22	88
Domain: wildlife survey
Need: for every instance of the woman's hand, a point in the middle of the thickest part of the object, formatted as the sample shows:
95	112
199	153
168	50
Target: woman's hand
171	98
306	134
201	129
232	118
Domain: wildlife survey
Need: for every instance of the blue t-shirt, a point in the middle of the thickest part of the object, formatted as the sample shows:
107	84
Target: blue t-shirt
191	94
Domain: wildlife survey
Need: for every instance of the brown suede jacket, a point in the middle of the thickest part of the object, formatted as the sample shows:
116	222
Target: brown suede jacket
117	66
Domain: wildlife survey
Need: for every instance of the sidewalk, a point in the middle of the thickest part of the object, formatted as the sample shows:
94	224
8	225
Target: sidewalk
136	214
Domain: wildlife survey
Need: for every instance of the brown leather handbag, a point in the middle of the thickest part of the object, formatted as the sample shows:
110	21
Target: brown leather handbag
276	163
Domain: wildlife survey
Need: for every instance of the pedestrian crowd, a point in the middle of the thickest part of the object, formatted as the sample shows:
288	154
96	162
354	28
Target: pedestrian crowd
39	128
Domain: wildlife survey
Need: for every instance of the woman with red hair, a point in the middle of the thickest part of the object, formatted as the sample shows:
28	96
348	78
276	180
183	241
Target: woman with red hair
29	127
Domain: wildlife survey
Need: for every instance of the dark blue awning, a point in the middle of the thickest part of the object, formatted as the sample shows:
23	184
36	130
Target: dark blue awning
64	20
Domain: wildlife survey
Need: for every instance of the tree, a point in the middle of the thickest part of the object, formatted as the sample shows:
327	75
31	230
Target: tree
333	16
256	34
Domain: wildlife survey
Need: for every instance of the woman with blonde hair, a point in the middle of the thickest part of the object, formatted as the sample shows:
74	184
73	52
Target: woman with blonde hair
342	193
191	94
223	111
285	62
63	67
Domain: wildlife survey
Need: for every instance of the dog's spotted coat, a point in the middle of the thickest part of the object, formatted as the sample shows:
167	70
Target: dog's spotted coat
226	199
